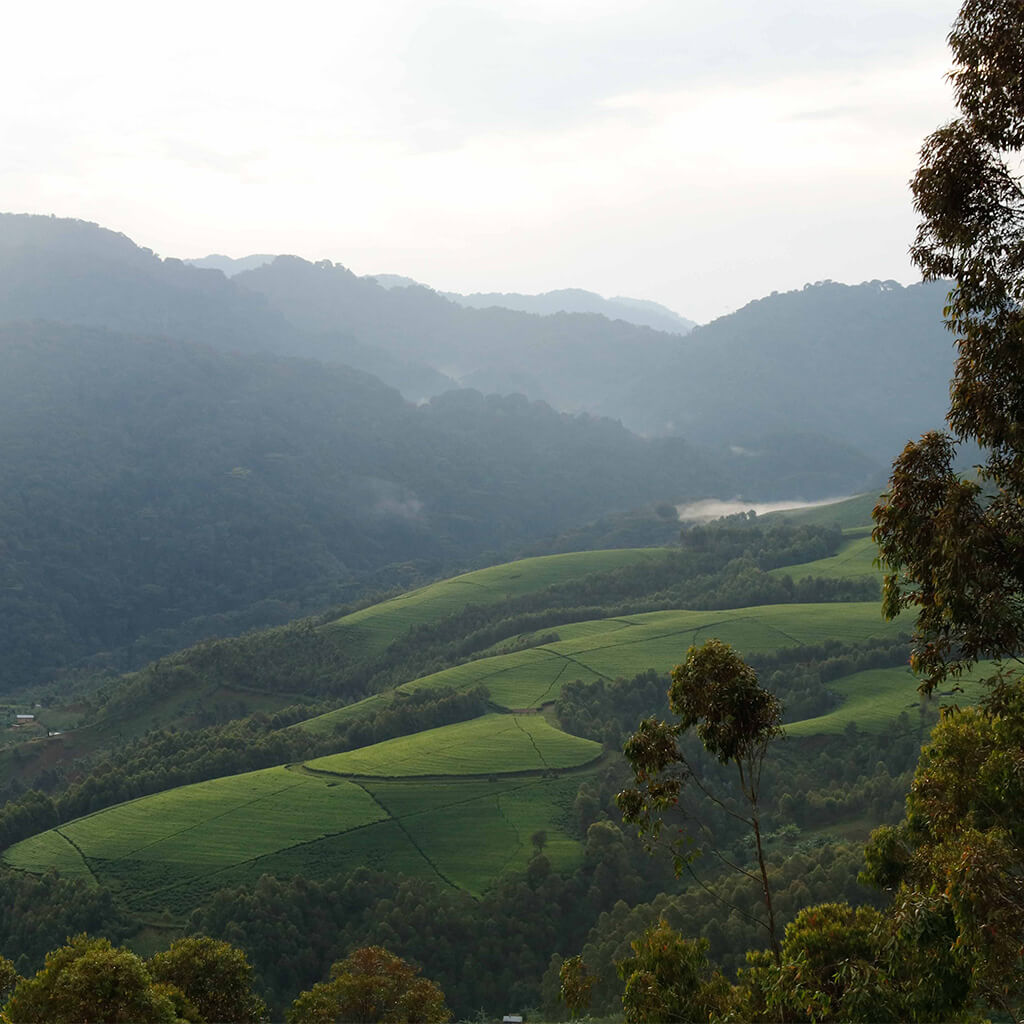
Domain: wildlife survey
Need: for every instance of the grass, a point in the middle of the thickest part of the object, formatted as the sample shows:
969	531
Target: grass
492	744
609	648
855	558
371	629
872	700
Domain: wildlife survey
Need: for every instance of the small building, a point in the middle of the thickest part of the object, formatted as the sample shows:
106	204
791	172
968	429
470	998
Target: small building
512	1018
24	719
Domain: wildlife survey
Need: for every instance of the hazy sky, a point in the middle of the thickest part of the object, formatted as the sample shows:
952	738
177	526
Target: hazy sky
698	153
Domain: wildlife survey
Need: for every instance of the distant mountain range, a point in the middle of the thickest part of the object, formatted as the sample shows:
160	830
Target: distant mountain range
641	312
801	394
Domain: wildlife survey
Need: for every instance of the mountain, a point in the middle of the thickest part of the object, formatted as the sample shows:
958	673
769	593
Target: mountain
76	272
641	312
866	365
859	367
230	266
155	491
832	379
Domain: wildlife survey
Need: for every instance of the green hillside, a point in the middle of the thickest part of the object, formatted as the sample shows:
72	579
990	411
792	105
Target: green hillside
369	630
609	648
872	699
852	513
855	559
494	744
458	803
166	852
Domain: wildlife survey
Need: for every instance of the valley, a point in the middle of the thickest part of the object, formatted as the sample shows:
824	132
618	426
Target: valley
520	779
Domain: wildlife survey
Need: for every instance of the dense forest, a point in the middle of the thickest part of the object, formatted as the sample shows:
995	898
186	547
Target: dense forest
158	492
782	390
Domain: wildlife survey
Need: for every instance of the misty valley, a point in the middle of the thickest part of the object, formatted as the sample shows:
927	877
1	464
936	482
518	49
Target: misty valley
343	624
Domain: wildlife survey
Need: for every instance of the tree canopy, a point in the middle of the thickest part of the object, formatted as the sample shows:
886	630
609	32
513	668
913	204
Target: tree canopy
372	985
954	547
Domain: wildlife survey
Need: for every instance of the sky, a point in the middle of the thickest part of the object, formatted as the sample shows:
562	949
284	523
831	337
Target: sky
698	154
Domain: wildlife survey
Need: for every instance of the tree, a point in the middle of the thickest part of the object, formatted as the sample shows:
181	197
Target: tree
371	985
668	979
89	981
214	976
844	965
957	858
8	978
953	548
717	694
576	984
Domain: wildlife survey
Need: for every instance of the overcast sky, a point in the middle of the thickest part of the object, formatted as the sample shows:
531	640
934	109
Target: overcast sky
700	154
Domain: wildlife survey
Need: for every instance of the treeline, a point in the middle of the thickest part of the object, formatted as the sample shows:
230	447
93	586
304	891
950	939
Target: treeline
726	913
37	913
726	566
609	711
168	758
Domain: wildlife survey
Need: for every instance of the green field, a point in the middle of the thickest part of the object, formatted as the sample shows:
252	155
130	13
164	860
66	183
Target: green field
856	558
371	629
872	700
166	852
493	744
610	648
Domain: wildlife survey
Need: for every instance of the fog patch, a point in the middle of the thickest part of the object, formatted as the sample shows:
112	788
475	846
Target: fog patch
409	508
377	498
714	508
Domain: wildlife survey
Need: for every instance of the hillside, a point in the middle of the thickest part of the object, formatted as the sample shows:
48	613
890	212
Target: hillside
483	761
643	313
868	366
786	393
157	492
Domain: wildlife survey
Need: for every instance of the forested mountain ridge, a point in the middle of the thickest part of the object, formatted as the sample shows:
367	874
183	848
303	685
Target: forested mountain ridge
828	360
154	492
641	312
786	367
868	365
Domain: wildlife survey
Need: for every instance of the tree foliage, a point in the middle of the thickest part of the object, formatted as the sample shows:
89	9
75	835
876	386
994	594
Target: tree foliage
715	693
954	549
214	976
372	985
89	981
669	979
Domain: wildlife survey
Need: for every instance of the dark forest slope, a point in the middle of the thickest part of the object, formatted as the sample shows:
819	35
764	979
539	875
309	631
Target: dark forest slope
160	490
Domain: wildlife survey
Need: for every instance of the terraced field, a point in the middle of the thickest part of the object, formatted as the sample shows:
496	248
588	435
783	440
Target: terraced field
609	648
856	558
166	851
872	699
371	629
493	744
